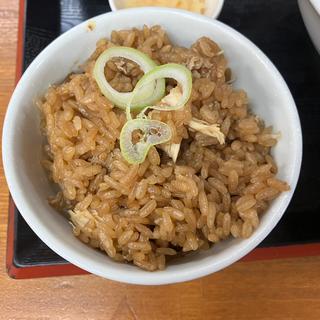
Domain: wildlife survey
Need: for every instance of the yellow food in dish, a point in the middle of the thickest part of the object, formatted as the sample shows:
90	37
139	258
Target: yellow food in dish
194	5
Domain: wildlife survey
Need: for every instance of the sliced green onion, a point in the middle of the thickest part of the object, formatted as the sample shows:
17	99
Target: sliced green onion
170	70
149	94
153	132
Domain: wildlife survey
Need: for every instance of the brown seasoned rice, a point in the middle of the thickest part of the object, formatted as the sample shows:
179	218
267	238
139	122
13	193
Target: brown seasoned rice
146	213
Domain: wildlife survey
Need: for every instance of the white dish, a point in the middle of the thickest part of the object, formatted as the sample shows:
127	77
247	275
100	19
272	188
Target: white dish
269	96
310	11
213	7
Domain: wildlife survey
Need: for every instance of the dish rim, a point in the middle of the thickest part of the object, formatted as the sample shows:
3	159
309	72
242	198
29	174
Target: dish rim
215	14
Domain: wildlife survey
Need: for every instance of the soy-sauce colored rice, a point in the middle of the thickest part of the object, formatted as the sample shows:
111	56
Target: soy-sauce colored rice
146	213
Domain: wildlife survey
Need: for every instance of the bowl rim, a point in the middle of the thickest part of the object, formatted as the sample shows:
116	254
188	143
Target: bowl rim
214	15
113	6
316	5
147	278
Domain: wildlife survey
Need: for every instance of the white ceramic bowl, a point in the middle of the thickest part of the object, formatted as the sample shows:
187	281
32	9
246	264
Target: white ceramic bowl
310	11
269	96
213	7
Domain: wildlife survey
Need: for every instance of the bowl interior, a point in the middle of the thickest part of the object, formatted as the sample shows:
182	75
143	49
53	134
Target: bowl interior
269	98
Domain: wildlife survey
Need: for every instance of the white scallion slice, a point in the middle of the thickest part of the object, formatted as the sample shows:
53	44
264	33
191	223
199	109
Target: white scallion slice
152	132
174	71
148	95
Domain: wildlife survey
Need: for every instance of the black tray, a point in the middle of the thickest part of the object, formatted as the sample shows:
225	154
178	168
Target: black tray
277	28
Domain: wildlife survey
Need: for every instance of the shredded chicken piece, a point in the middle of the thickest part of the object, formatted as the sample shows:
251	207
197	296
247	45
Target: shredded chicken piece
121	66
194	63
212	130
219	53
172	98
81	219
172	150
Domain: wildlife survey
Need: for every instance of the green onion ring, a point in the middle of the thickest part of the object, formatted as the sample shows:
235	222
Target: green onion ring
154	132
175	71
151	93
